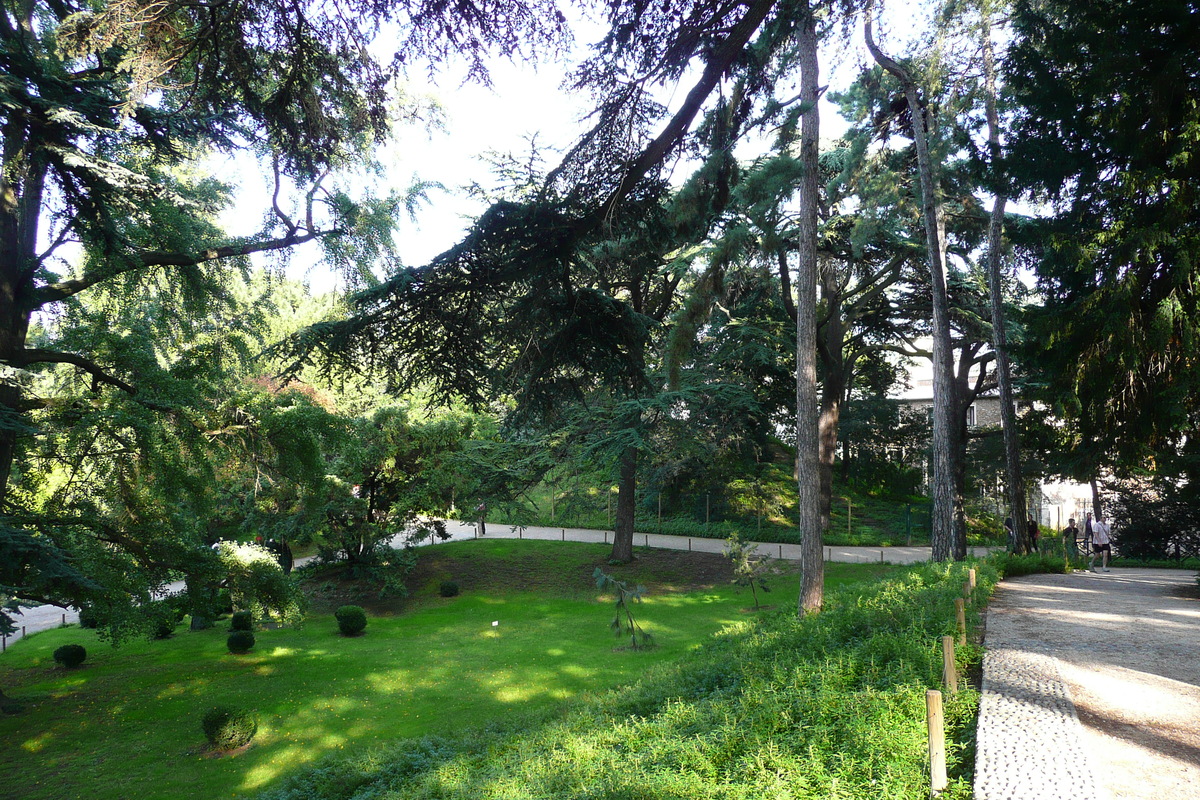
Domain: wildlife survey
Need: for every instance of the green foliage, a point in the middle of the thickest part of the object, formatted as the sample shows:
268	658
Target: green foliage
240	642
241	621
1010	566
70	655
1106	130
750	568
623	623
448	589
828	705
87	618
351	620
258	584
228	728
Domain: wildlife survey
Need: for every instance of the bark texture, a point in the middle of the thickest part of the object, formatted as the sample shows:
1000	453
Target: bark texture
812	564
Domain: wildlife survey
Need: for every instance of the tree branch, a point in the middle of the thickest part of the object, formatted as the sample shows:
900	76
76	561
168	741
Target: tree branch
716	66
148	259
27	356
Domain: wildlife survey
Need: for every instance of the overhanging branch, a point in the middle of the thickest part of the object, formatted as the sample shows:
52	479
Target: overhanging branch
150	259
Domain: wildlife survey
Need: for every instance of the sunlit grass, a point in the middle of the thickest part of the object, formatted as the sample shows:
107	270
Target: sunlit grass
127	724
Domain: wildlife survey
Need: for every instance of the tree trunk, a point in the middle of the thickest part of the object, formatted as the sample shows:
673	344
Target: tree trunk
20	206
831	353
808	480
827	427
942	480
622	549
1008	412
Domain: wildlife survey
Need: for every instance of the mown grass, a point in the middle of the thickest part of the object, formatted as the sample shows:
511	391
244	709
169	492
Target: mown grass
828	706
127	724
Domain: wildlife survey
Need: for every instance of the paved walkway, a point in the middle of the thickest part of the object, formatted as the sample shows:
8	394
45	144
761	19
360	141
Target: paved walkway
1091	688
41	618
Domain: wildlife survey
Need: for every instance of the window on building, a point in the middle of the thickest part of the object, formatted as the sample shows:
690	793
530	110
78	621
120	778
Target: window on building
971	416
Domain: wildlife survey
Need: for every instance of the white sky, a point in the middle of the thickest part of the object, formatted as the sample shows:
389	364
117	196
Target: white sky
524	101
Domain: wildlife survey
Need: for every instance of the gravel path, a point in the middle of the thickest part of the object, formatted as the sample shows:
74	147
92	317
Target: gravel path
1091	688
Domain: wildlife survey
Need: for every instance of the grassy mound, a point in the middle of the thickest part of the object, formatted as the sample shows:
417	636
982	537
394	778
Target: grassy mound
831	705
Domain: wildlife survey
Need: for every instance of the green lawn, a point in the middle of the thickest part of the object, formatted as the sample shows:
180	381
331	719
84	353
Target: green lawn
127	723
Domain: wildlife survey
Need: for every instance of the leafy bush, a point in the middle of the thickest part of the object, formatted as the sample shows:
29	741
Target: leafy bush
241	621
1011	566
88	618
70	655
448	589
351	620
240	642
257	583
228	728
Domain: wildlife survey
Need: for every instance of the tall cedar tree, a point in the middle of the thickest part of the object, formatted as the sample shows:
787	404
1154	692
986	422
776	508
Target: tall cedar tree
1106	132
102	102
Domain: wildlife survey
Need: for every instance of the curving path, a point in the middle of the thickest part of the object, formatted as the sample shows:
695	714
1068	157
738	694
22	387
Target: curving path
1091	688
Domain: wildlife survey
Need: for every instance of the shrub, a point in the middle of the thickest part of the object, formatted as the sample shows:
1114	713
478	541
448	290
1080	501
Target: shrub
448	589
88	618
241	621
224	604
1011	566
228	728
70	655
351	620
240	642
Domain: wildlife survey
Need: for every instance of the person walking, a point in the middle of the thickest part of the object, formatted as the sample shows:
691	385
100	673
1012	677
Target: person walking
1087	533
1033	533
1071	539
1101	544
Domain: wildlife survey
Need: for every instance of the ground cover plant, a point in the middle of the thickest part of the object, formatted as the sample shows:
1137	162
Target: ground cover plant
127	722
830	705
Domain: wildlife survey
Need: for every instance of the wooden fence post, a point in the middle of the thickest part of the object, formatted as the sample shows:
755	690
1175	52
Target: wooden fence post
971	578
960	613
937	741
949	670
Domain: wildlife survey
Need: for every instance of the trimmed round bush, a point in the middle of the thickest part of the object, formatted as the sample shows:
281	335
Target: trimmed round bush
70	655
240	642
241	621
351	620
228	728
448	589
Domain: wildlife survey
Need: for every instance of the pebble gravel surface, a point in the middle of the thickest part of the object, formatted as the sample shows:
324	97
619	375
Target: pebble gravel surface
1091	688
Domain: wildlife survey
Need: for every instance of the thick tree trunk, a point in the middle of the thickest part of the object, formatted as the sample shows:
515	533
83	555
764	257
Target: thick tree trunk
1008	412
808	480
622	549
20	206
942	489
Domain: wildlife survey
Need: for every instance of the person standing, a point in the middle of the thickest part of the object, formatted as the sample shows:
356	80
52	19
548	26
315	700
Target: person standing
1101	544
1087	533
1033	533
481	510
1071	539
